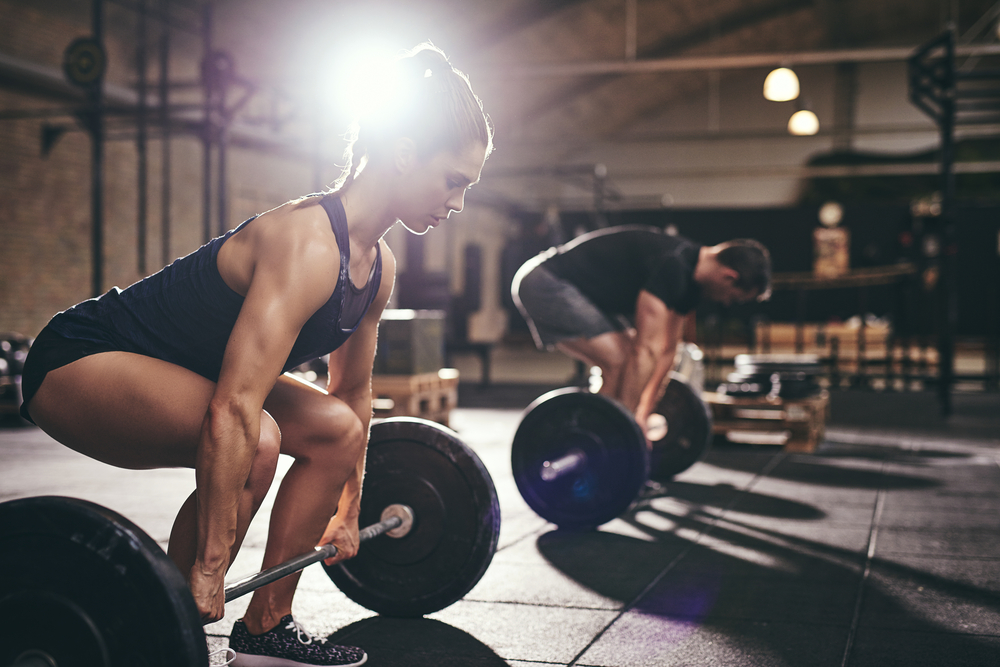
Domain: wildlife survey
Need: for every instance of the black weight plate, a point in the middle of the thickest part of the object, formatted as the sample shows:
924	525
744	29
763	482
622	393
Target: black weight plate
766	377
792	385
689	431
85	586
766	364
617	457
456	525
744	388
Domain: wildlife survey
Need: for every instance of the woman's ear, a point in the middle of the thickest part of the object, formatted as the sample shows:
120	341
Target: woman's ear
729	275
405	155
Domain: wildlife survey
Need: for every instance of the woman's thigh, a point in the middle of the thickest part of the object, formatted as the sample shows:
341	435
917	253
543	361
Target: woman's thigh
125	409
308	417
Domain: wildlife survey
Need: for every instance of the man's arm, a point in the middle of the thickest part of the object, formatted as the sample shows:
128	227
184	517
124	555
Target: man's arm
654	388
658	330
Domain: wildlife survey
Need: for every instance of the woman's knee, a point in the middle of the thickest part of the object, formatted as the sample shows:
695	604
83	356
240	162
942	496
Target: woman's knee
347	431
265	461
335	432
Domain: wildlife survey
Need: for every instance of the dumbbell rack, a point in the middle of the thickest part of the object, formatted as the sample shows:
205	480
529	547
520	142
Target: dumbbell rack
798	424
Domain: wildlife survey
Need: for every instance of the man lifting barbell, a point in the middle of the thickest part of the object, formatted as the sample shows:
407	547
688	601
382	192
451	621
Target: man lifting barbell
616	299
185	368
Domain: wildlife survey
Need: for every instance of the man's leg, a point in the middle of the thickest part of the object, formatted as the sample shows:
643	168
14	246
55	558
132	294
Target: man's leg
607	351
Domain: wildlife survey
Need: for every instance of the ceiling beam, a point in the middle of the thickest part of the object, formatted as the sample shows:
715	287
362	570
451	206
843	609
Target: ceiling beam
674	44
726	62
524	16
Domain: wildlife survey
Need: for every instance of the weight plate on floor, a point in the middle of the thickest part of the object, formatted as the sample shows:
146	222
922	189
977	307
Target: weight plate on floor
617	458
456	525
777	363
688	431
82	585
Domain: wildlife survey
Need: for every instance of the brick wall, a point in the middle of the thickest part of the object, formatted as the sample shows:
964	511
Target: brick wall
45	217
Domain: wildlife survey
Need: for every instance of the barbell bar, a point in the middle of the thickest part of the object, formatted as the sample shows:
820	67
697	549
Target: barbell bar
396	522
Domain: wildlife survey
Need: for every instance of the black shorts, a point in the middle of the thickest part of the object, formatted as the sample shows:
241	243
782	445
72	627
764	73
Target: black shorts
48	352
555	309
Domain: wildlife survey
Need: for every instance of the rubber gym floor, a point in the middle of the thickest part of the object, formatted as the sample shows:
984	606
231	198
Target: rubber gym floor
881	548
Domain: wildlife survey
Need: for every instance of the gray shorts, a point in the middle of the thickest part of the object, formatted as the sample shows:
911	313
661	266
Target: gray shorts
554	309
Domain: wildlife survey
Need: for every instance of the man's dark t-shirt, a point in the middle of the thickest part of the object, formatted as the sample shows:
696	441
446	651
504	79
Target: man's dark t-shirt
610	266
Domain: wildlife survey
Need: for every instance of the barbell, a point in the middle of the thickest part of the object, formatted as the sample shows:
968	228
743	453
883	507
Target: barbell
83	585
580	459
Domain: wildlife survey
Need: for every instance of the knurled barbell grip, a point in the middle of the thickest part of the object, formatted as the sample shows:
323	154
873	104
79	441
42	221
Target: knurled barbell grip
271	574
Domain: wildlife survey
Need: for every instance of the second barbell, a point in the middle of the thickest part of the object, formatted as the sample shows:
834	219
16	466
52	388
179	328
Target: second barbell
580	459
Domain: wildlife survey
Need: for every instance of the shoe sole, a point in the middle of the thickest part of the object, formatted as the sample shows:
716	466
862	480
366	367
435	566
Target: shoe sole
249	660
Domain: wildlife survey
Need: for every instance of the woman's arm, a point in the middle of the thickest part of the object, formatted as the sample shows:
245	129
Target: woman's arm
289	275
350	379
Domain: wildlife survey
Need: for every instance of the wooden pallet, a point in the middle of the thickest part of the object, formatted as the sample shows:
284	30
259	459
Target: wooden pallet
429	396
797	424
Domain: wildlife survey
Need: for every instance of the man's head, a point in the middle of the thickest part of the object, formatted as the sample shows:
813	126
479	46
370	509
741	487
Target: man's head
737	271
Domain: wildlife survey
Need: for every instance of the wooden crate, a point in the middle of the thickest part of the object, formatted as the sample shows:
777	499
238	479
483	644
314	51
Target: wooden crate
782	337
797	424
426	395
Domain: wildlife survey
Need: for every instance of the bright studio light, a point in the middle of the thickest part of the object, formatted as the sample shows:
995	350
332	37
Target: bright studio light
369	84
803	123
781	85
355	79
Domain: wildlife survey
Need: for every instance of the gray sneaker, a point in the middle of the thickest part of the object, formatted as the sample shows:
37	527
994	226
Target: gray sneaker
288	644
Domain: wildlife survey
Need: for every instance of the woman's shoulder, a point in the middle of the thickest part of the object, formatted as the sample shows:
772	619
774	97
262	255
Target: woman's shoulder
291	226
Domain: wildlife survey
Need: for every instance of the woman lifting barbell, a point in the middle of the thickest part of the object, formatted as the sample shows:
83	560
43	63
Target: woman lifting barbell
185	368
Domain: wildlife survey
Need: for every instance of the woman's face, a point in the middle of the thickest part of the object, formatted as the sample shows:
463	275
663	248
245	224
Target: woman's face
430	190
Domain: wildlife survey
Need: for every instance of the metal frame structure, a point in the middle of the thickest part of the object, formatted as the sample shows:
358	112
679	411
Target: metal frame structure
93	104
950	96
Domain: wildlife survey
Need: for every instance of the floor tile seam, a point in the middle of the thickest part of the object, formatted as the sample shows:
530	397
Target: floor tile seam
522	538
934	632
911	442
711	618
814	524
988	508
790	578
780	456
941	529
882	556
863	583
541	605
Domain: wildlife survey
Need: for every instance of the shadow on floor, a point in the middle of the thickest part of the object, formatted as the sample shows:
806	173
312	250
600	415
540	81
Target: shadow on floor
761	592
723	495
819	468
416	642
975	415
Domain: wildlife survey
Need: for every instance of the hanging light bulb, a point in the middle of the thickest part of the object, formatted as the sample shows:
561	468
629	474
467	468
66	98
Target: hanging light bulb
781	85
803	123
